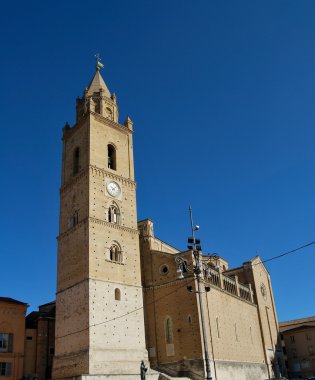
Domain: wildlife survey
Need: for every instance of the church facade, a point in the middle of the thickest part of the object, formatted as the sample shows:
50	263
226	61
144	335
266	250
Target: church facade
119	301
240	316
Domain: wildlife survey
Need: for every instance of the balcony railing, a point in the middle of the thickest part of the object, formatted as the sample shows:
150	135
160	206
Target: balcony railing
229	284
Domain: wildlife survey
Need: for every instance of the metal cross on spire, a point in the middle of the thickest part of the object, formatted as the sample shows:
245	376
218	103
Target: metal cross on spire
99	64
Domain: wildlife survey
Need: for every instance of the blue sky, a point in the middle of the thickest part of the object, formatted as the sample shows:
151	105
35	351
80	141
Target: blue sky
222	98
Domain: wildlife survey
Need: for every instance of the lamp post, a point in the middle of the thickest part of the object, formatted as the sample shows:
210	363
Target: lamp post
198	267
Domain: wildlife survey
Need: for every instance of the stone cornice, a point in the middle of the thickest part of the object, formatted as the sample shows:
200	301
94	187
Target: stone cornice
74	179
96	221
105	173
110	123
72	229
98	171
113	225
69	132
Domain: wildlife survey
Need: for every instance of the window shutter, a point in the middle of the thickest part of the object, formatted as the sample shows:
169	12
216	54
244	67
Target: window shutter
10	346
8	367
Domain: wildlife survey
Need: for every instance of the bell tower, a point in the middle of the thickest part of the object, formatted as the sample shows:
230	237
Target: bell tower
99	317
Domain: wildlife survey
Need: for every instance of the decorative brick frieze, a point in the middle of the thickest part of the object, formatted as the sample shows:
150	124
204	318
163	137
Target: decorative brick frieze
110	123
114	226
74	180
104	173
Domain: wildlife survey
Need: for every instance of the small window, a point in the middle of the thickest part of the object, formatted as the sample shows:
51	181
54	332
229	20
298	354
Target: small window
169	330
117	294
164	269
115	253
5	369
308	337
292	339
29	338
6	342
113	214
311	350
52	351
75	218
109	113
76	161
111	154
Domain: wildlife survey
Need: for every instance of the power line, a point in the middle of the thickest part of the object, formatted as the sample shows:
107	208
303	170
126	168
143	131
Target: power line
130	312
174	291
286	253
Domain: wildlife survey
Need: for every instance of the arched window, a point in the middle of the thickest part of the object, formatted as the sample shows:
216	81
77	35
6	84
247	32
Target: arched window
75	218
109	113
115	253
113	214
169	330
111	154
117	294
76	161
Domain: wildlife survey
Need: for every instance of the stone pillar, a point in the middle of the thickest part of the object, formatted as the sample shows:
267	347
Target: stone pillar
237	286
221	282
251	293
101	101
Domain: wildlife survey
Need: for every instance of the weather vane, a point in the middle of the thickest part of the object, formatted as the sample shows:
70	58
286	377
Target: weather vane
99	64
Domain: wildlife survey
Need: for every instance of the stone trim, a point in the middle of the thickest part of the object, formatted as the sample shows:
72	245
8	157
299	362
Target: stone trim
110	123
113	225
95	170
232	295
72	229
74	179
69	132
97	221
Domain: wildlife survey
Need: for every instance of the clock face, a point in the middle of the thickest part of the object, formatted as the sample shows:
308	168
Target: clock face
113	189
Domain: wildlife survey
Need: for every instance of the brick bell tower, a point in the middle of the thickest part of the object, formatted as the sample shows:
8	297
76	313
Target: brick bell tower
99	317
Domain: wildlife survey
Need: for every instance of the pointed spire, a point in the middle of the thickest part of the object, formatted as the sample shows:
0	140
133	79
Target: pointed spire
97	84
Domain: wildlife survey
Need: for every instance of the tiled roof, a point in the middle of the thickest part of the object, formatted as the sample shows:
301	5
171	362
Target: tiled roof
11	300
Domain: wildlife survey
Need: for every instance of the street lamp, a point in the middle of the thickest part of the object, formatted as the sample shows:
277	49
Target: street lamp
197	268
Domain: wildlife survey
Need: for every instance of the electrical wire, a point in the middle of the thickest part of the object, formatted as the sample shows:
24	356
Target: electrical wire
286	253
130	312
158	299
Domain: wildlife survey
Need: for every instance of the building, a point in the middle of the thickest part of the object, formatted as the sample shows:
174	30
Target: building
100	315
119	300
40	342
99	277
298	341
240	315
12	336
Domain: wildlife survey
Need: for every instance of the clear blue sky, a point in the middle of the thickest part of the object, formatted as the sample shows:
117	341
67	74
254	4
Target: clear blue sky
222	97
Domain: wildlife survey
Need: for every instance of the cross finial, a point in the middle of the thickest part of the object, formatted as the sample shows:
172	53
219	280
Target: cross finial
99	64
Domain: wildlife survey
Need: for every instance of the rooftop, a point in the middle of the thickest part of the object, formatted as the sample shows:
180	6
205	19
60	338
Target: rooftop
12	300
